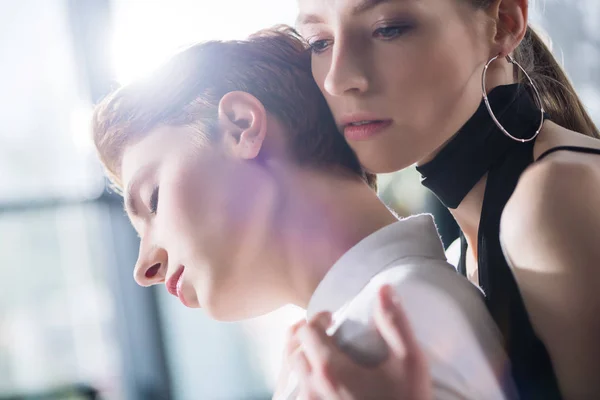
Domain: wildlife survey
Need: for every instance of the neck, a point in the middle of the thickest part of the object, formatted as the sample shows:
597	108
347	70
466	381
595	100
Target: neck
468	213
458	173
324	216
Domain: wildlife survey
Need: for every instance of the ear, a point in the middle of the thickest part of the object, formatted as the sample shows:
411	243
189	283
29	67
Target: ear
510	17
243	121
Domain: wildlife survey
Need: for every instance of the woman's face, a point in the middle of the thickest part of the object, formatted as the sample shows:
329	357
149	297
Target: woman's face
411	69
203	217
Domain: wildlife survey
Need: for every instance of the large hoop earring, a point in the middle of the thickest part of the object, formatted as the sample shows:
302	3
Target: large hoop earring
487	101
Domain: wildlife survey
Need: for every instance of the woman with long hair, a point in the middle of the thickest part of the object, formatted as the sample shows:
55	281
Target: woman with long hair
469	92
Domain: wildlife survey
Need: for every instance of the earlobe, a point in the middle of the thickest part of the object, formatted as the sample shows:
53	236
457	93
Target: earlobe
243	121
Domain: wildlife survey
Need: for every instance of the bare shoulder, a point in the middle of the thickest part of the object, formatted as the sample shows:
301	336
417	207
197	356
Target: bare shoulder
560	176
556	199
553	135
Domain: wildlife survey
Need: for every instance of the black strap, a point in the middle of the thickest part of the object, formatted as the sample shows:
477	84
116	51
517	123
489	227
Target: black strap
530	363
479	148
576	149
468	156
462	262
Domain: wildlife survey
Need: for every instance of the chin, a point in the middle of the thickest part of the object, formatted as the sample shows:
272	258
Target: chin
384	165
382	160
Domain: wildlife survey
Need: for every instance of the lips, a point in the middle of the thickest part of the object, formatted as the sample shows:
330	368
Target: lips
362	125
173	283
364	129
358	117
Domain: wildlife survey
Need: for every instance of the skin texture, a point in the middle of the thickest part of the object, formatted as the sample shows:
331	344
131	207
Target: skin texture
252	229
378	61
418	64
310	353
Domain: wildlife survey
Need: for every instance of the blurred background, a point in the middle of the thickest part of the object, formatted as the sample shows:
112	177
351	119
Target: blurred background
73	324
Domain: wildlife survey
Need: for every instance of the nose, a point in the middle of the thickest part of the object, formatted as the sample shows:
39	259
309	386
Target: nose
348	69
151	266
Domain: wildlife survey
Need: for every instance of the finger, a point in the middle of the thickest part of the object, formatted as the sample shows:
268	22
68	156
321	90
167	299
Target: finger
293	343
292	330
302	371
315	341
321	351
308	395
301	366
321	321
311	385
393	325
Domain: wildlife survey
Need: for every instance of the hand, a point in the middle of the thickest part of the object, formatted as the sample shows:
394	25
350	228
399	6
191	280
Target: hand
291	348
325	372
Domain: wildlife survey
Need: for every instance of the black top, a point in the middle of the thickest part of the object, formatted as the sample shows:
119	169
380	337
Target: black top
480	147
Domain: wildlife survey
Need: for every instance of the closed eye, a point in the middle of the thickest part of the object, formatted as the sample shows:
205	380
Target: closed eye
154	201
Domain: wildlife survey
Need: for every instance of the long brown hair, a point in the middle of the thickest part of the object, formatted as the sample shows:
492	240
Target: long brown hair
558	95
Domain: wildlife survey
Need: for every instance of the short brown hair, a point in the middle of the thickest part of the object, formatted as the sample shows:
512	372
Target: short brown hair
273	65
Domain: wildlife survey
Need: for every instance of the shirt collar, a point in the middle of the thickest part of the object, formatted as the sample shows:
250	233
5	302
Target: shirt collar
411	237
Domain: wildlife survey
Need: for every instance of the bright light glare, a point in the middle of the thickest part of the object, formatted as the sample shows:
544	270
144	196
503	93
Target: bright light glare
81	128
146	33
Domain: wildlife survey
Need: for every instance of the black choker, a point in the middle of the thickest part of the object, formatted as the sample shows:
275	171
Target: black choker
479	144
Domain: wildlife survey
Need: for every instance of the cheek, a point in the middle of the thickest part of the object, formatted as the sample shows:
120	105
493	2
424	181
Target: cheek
232	211
189	210
427	69
430	88
216	209
433	81
181	215
320	68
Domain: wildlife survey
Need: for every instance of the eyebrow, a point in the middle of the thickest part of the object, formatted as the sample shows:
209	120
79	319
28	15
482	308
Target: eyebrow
366	5
362	7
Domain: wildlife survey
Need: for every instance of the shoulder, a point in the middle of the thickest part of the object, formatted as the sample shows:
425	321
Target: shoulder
555	201
563	179
558	172
428	284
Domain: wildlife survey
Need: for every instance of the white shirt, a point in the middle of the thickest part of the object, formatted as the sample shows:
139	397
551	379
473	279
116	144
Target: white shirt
446	312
